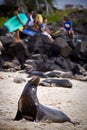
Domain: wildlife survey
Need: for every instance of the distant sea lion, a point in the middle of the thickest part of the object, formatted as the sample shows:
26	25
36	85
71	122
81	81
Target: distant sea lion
56	82
37	73
30	108
53	74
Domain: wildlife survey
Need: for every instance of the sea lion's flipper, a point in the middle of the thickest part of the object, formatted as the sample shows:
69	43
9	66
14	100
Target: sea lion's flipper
75	123
18	116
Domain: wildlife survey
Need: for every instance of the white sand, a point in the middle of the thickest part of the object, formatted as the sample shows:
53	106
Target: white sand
72	101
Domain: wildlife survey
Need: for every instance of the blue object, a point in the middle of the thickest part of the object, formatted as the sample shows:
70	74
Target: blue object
68	25
29	32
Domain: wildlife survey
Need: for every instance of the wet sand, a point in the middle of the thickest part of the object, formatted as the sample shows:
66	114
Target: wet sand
72	101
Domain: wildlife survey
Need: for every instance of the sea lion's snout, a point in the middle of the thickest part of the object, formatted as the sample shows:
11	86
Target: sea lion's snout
36	80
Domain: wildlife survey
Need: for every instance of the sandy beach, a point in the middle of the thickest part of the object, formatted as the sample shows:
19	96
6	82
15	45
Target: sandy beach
72	101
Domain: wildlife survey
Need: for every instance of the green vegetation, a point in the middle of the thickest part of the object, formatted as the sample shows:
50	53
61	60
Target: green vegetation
59	14
77	16
2	20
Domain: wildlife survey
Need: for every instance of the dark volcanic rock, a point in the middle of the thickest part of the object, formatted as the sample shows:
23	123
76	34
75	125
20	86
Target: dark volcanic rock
3	31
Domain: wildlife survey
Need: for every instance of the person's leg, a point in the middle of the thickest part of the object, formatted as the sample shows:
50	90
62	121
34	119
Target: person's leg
17	36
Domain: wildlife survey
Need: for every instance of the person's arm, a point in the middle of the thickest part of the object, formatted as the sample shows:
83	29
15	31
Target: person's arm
20	20
41	27
71	30
16	14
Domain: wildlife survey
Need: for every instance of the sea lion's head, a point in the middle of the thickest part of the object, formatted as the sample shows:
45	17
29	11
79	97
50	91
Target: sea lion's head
33	87
36	80
30	89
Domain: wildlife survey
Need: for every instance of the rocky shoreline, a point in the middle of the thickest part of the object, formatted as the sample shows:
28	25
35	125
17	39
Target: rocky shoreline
38	53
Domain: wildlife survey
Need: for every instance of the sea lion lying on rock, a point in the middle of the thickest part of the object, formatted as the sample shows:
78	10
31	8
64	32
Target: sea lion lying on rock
30	108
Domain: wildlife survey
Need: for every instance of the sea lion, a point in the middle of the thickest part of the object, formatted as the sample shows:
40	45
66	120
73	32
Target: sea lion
56	82
30	108
37	73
